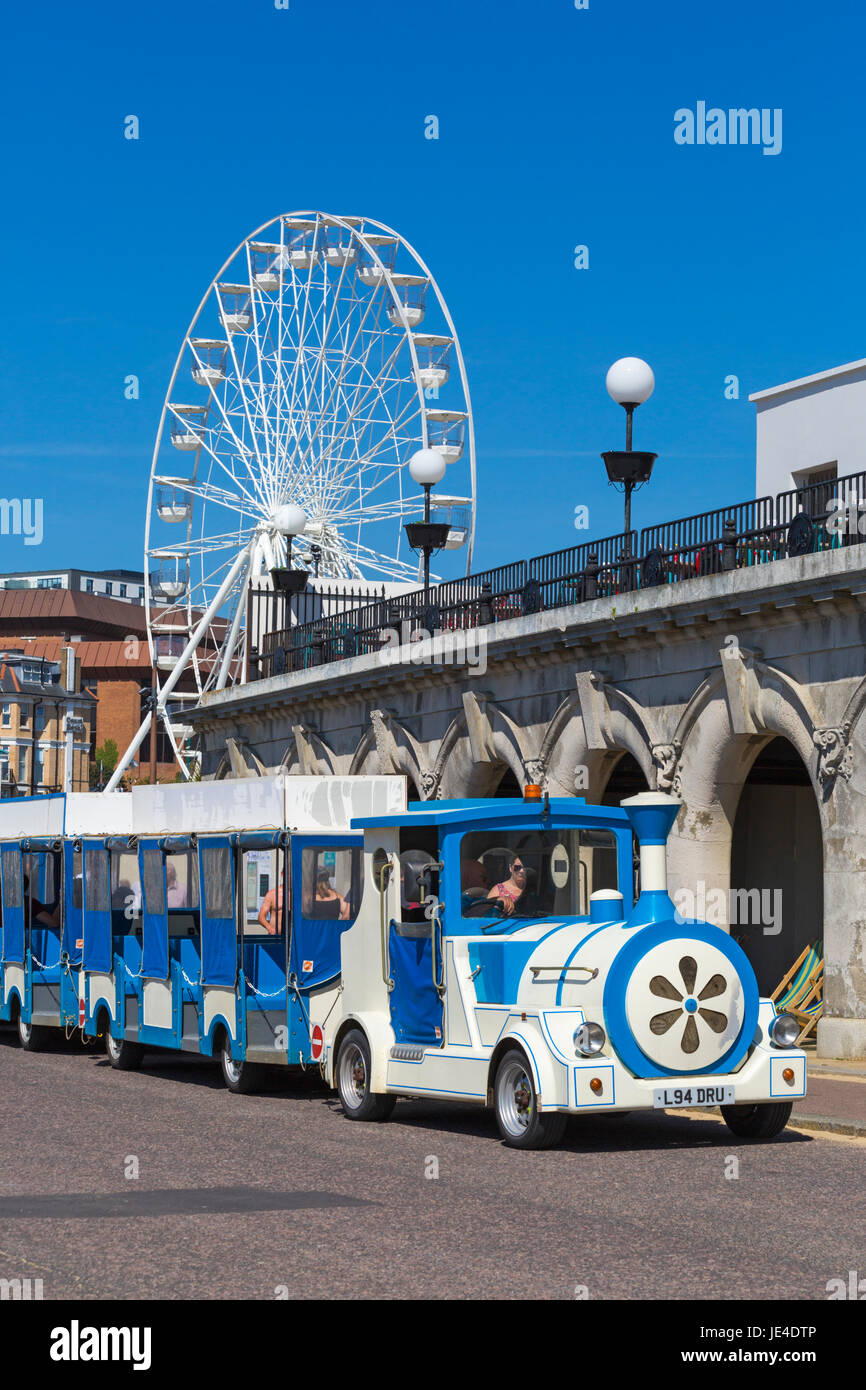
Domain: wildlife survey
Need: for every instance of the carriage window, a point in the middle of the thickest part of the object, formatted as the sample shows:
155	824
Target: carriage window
331	883
76	878
153	882
125	883
217	874
181	881
530	873
96	880
42	879
12	889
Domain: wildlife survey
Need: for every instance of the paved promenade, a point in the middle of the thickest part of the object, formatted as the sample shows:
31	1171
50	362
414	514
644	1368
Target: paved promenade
278	1195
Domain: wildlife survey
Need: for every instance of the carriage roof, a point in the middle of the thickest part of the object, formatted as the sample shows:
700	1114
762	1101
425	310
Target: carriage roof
478	813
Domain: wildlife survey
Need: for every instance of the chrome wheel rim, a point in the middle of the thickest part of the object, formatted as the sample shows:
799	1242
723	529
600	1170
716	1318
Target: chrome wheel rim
113	1046
515	1099
24	1029
353	1076
231	1067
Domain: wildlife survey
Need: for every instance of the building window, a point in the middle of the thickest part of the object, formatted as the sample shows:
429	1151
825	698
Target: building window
40	719
141	591
123	591
109	587
55	582
7	715
23	716
88	586
12	762
39	768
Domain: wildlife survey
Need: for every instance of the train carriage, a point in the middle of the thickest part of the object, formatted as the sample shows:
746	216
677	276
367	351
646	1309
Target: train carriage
194	964
41	939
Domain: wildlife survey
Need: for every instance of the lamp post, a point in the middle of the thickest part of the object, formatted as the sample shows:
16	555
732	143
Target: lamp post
427	468
290	521
630	382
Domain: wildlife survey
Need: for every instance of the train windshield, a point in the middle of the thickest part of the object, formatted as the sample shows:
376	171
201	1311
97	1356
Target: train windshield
530	874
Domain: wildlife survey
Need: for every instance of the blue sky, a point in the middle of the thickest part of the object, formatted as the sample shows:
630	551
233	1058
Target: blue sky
556	130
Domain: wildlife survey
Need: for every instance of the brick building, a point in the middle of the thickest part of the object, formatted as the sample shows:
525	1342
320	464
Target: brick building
46	723
109	638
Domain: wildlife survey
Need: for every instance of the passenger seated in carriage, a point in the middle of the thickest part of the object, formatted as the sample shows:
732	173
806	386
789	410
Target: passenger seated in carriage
38	911
328	902
175	893
473	879
271	911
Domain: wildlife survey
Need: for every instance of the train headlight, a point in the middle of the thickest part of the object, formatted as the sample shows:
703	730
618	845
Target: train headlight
784	1030
589	1038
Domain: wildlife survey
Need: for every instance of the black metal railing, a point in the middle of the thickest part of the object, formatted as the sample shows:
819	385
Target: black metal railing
322	627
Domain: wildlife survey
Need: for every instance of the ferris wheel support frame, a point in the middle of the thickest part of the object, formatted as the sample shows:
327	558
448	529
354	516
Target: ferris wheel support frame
182	661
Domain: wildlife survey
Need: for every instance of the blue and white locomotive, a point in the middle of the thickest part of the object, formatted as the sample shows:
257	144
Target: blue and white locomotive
487	951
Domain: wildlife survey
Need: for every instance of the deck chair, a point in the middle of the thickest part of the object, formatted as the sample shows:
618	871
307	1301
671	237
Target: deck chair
801	991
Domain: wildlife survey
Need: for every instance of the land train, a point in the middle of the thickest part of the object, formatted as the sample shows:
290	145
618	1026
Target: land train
487	951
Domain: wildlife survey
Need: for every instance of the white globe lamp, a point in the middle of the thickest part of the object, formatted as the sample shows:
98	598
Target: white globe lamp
630	381
289	519
427	467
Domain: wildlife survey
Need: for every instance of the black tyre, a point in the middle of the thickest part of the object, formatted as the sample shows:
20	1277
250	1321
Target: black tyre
239	1077
515	1101
353	1073
123	1055
31	1037
757	1121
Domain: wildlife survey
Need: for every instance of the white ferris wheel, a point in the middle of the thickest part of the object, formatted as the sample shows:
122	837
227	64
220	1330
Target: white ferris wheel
321	357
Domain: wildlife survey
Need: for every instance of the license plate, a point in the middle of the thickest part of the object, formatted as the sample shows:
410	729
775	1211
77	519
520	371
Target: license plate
672	1097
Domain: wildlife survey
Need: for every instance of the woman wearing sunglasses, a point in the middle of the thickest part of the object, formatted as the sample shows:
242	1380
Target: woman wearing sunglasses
513	887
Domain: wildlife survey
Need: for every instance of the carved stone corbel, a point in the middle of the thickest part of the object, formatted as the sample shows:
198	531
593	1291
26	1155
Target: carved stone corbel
742	689
536	771
594	710
835	754
386	744
478	727
666	757
429	778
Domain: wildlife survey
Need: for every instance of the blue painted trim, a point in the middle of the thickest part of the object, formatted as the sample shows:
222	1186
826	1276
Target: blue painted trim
562	978
616	1022
596	1070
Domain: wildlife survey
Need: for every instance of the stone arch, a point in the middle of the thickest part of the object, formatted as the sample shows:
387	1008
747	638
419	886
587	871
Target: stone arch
387	747
588	735
776	903
239	760
732	717
308	755
478	747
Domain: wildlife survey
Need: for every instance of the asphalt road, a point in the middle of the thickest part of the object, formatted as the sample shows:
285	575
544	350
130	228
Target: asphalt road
277	1194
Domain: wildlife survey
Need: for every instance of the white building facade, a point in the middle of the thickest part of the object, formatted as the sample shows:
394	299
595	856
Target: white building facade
811	430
